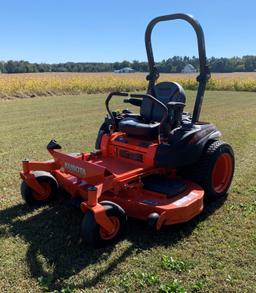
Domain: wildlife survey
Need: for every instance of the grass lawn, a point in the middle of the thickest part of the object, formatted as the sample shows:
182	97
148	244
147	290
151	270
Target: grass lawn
40	250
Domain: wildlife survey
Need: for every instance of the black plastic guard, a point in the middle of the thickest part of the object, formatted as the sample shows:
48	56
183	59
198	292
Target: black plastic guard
53	145
167	186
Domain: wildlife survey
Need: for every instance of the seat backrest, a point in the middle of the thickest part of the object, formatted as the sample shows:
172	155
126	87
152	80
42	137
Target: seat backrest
165	92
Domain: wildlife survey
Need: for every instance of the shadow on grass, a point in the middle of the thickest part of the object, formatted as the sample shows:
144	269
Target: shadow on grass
54	235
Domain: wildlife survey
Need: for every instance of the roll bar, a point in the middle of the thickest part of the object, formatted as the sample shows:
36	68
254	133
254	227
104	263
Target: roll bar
204	70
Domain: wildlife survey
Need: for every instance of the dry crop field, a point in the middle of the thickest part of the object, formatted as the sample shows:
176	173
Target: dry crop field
41	250
44	84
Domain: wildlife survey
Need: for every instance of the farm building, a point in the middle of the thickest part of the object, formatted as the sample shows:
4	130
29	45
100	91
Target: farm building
189	68
125	70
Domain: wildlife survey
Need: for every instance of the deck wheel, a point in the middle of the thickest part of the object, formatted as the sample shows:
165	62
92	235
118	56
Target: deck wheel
47	181
96	236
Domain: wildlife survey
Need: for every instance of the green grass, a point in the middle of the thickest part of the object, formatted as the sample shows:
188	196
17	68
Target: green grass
41	251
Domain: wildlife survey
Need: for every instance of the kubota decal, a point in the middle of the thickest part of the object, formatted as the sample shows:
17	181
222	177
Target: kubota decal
74	169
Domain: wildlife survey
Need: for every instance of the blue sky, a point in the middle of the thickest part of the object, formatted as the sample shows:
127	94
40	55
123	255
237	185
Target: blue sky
79	30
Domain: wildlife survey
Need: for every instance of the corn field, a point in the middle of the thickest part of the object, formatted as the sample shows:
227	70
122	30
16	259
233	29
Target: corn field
45	84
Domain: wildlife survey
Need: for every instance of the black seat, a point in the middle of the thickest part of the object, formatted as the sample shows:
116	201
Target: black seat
138	127
147	124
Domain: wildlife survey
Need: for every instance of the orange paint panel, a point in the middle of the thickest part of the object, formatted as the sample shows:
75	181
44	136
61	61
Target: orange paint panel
39	166
116	167
82	169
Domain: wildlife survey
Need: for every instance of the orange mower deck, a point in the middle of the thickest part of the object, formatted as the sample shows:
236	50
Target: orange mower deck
118	179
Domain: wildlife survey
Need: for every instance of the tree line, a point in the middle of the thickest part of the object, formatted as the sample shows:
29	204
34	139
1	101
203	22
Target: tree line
171	65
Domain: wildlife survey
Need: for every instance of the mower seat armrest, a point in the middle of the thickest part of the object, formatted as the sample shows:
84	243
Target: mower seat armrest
134	102
133	115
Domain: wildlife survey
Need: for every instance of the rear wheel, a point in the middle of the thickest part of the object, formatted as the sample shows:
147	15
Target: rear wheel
214	171
47	181
96	236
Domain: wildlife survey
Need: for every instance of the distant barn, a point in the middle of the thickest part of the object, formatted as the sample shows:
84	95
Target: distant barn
125	70
189	68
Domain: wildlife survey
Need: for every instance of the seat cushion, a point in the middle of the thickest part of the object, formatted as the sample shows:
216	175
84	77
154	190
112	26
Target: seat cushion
135	127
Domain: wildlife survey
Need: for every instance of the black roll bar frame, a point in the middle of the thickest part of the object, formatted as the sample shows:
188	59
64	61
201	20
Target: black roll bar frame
204	75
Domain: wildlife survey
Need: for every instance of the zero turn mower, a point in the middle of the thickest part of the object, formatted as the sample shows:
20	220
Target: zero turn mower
159	165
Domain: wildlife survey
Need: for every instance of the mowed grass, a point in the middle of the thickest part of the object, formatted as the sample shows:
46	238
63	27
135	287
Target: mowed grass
41	250
48	84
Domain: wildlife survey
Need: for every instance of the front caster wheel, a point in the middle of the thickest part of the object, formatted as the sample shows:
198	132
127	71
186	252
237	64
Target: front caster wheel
93	234
47	181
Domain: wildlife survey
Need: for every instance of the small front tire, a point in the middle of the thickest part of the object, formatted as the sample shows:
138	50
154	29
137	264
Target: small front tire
94	235
47	181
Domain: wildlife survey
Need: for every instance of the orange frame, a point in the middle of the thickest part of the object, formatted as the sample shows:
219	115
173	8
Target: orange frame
114	173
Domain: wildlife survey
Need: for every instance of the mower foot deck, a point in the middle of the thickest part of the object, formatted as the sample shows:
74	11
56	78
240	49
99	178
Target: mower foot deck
160	184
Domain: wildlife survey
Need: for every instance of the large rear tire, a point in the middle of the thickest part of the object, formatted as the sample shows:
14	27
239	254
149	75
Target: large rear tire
215	169
47	181
94	235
